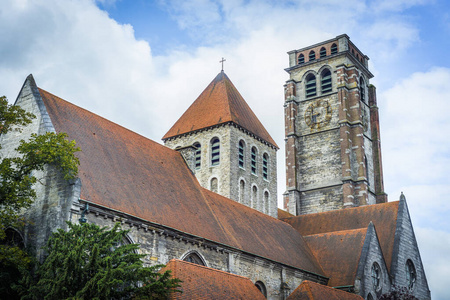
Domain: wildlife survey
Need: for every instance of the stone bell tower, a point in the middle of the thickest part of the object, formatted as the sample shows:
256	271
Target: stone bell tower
333	154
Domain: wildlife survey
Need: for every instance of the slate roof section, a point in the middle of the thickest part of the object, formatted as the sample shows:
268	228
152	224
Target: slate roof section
200	282
122	170
309	290
219	103
383	215
339	254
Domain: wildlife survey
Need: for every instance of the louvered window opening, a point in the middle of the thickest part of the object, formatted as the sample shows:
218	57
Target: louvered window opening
265	159
326	82
215	152
312	55
323	52
311	86
253	161
334	49
198	156
241	154
301	59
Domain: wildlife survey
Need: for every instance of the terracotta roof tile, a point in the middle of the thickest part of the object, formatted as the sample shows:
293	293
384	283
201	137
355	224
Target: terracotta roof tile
383	216
219	103
282	214
122	170
338	253
309	290
200	282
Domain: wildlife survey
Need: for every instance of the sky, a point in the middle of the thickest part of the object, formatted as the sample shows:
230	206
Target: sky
142	63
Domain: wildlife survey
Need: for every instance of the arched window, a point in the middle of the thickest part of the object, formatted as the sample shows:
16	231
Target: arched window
266	202
241	191
198	155
323	52
353	52
195	259
265	166
254	153
215	152
241	154
214	185
357	56
301	59
312	55
369	296
261	287
334	49
362	90
310	87
376	276
254	196
410	274
13	238
326	81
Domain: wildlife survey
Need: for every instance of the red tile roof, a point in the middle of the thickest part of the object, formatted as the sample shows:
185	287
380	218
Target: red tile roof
338	253
219	103
200	282
122	170
383	216
282	214
309	290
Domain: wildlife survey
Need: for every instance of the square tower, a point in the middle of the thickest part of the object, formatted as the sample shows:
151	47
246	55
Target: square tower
227	147
333	154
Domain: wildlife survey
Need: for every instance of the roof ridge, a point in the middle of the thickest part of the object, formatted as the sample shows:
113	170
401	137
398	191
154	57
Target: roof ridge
337	232
103	118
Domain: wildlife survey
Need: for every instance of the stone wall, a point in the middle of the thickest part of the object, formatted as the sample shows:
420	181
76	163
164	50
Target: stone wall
406	248
228	172
161	244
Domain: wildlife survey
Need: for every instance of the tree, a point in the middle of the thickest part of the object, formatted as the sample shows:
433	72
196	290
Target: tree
89	262
16	181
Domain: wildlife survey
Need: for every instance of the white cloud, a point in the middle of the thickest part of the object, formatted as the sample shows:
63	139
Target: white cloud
77	52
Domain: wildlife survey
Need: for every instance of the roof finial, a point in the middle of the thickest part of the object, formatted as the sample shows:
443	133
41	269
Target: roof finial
223	59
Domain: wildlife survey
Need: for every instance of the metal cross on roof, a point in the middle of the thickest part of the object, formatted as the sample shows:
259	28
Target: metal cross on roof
223	59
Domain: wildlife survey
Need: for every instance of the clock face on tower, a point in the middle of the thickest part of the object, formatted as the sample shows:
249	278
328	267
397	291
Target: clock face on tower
318	114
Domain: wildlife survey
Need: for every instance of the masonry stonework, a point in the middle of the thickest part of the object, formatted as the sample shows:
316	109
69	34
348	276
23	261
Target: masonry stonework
235	182
330	129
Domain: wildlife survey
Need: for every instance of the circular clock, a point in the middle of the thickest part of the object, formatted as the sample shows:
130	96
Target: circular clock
318	114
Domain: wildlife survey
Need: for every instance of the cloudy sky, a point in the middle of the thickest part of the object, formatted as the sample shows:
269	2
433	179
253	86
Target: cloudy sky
142	63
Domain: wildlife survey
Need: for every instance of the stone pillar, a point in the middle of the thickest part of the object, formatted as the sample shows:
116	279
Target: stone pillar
381	196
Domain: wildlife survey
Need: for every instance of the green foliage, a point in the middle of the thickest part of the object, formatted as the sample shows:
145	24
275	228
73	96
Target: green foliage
16	181
89	262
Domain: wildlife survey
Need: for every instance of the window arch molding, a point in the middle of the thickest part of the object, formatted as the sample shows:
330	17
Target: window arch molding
265	165
323	52
326	80
242	190
214	184
310	84
301	59
242	147
194	257
254	152
254	196
334	49
198	155
261	287
214	145
266	197
13	238
311	55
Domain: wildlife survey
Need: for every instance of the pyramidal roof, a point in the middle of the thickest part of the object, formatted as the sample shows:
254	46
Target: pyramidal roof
219	103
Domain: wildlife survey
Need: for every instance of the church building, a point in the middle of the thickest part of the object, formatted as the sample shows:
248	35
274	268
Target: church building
205	203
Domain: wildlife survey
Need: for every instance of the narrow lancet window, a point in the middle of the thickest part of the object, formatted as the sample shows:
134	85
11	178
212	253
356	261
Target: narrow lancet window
215	152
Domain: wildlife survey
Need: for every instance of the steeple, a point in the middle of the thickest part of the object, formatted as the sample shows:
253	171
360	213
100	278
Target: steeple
227	147
218	104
